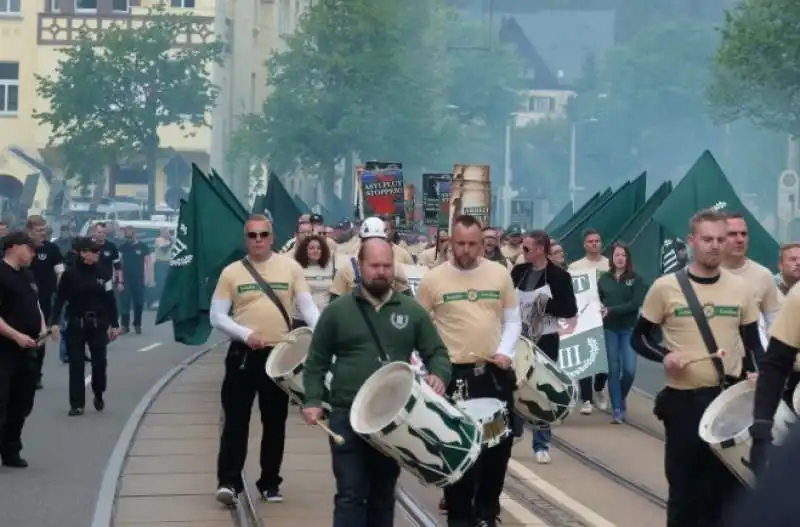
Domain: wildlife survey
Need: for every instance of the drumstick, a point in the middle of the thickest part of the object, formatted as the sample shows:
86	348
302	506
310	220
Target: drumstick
720	354
337	438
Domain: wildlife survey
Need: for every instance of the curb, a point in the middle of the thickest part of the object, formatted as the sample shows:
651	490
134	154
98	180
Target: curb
109	485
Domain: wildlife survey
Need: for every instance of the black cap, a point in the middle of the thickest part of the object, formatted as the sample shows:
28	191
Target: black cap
84	243
316	218
17	238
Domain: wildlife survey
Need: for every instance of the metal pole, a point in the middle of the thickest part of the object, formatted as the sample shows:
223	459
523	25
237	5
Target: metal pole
507	179
572	182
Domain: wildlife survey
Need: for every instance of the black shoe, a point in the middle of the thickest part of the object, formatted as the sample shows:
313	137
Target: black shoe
99	403
39	385
75	411
272	495
15	462
138	330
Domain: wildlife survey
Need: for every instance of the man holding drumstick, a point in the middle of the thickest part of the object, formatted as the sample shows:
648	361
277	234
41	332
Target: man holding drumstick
260	290
362	330
474	306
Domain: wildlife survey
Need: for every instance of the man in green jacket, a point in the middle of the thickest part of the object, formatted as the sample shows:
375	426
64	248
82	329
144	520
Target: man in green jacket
344	343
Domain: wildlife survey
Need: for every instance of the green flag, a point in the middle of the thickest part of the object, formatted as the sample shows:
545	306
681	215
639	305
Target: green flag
611	217
225	193
642	217
301	205
584	212
209	237
646	251
705	186
282	209
560	218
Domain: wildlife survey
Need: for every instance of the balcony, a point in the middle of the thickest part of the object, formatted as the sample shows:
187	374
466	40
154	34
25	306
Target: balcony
64	29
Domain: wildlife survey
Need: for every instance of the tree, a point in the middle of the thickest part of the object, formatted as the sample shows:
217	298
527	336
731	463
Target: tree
113	93
757	66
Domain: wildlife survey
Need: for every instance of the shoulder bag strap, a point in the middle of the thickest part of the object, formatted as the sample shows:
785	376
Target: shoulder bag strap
267	290
702	322
356	272
382	352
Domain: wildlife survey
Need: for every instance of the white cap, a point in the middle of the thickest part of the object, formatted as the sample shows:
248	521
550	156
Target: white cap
372	228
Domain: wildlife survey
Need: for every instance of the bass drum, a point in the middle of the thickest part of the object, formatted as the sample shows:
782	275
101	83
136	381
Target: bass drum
725	426
545	394
402	416
286	363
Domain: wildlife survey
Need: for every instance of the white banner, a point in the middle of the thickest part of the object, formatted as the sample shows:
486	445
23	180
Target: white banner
582	349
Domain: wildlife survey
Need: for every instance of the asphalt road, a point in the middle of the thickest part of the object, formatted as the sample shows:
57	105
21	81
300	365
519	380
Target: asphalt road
68	455
649	376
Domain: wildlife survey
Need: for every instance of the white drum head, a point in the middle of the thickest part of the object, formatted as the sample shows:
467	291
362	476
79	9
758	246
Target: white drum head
382	397
290	354
481	408
523	359
729	415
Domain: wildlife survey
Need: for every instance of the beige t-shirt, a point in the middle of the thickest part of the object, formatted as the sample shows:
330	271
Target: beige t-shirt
728	304
511	252
319	281
786	327
585	264
762	285
251	307
428	257
467	307
345	278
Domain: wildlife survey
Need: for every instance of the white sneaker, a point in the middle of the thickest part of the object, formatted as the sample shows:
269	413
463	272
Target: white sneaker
600	400
543	457
586	409
226	496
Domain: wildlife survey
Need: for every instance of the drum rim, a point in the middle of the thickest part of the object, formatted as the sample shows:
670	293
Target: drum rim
707	419
366	389
277	351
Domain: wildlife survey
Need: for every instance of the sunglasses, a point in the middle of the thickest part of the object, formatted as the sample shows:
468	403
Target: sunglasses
257	235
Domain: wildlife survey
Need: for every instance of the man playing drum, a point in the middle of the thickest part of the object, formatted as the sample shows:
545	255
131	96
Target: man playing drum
700	486
475	308
362	330
261	290
774	368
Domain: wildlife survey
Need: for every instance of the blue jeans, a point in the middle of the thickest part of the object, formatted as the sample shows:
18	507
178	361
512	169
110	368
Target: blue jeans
542	437
621	366
365	479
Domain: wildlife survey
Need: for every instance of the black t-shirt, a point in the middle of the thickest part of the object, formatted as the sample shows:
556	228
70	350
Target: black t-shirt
19	302
48	256
133	255
109	257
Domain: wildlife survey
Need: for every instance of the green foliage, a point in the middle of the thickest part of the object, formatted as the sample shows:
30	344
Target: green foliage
110	95
381	79
757	66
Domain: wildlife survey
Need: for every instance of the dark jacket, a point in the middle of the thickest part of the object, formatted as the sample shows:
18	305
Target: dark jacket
341	332
622	299
563	304
86	289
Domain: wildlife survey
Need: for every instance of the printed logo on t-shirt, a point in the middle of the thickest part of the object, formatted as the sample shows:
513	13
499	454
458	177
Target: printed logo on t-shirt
472	295
710	311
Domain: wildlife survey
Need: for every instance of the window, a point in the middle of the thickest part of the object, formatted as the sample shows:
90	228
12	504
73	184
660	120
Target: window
542	104
9	88
9	6
86	5
51	6
120	6
284	17
187	4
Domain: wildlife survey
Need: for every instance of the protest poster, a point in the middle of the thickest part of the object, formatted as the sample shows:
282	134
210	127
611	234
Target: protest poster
409	205
436	199
382	190
582	349
471	193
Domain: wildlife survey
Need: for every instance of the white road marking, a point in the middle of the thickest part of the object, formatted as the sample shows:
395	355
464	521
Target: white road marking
557	495
88	380
526	518
149	347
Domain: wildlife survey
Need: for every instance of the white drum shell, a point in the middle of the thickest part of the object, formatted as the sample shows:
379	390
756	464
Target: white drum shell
410	434
545	394
733	409
286	363
485	410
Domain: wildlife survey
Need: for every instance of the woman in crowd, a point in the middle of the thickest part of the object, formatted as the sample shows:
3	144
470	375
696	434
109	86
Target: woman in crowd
621	292
319	266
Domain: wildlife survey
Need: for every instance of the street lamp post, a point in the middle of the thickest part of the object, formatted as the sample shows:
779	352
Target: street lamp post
507	177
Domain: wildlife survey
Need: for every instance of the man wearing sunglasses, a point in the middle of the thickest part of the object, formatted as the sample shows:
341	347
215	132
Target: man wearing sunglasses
260	290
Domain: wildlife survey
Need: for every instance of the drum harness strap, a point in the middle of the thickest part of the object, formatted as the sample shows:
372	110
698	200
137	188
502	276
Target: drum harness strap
267	290
702	324
384	357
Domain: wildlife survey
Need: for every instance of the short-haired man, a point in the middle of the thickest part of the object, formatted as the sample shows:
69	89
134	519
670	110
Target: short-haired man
788	267
260	290
700	486
365	477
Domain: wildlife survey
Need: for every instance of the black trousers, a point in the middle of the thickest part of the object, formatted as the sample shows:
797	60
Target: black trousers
700	486
132	296
589	385
365	479
476	495
80	334
17	388
46	303
244	378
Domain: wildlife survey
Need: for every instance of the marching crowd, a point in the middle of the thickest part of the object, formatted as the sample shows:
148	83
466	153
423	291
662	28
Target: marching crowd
463	318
